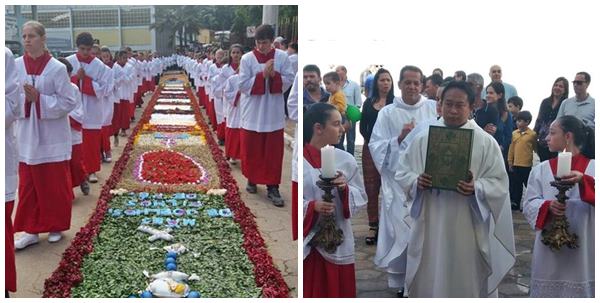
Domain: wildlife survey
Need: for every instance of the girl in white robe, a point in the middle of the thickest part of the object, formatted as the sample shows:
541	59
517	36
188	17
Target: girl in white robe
566	273
44	142
329	274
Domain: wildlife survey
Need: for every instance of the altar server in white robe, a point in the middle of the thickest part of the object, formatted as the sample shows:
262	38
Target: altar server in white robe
44	142
265	73
393	124
124	79
292	104
213	70
108	104
327	274
461	242
77	167
89	73
231	101
567	273
218	83
13	94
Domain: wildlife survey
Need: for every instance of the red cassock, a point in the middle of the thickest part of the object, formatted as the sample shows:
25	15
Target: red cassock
10	275
212	114
294	210
77	167
221	131
262	156
232	143
92	139
116	122
201	96
45	198
106	132
124	115
323	279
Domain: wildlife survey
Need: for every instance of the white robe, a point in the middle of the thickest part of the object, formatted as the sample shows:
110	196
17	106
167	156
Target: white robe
357	199
292	104
77	115
123	80
218	83
459	246
47	139
394	221
13	94
232	87
93	106
109	99
568	272
263	113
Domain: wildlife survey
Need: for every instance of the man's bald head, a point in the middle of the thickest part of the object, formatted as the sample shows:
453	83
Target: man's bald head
342	72
496	73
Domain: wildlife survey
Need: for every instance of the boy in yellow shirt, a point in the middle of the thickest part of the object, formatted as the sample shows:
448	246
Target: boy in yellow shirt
520	157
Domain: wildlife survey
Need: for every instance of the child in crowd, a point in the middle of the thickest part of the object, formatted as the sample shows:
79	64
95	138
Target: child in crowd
520	157
514	104
337	98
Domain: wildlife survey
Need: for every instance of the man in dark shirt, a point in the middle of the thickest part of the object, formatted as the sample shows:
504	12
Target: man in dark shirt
313	91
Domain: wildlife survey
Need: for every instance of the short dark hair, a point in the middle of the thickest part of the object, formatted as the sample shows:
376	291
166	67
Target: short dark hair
333	76
435	79
294	46
461	74
84	38
411	68
524	115
263	32
311	68
586	76
66	63
316	113
516	101
462	85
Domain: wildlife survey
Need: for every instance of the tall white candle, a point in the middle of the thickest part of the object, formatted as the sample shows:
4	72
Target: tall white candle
328	162
564	164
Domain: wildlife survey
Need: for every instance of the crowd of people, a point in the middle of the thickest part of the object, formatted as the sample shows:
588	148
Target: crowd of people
448	243
62	112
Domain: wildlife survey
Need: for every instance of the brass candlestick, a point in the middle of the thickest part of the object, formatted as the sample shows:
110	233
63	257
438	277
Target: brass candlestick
558	235
328	235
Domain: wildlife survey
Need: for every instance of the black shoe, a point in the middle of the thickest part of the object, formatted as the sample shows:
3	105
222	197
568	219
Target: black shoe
514	206
251	188
221	142
372	240
85	188
275	197
400	293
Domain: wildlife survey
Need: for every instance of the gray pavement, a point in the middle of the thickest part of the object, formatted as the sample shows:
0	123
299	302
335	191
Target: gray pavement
36	263
371	282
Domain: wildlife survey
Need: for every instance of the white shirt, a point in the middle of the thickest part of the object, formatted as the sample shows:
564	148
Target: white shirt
13	95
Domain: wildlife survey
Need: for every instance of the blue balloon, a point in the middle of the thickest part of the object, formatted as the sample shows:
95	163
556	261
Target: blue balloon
172	255
193	294
146	294
169	260
171	266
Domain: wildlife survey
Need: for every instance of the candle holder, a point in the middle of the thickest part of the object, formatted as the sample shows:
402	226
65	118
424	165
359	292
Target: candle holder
328	235
558	235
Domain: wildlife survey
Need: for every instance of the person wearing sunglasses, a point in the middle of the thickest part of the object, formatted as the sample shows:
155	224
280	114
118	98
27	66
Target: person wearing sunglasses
582	105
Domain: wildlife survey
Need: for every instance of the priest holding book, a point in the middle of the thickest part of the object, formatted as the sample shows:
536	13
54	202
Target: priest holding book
461	241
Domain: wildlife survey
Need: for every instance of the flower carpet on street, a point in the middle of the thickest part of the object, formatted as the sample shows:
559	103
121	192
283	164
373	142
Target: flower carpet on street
169	221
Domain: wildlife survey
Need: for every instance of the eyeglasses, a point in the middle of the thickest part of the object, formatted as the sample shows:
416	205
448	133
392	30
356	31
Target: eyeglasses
578	82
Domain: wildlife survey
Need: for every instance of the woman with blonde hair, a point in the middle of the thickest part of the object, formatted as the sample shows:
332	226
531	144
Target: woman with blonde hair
44	142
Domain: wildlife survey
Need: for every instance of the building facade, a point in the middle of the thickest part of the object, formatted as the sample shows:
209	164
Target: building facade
114	26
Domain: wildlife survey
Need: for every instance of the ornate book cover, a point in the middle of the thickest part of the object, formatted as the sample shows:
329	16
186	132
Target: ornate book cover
448	156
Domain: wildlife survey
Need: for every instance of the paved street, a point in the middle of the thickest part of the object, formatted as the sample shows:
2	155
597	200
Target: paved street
36	263
372	282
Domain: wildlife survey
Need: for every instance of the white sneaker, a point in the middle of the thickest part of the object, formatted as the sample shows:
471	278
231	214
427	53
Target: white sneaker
93	178
26	240
232	161
54	237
